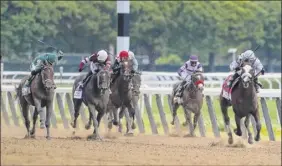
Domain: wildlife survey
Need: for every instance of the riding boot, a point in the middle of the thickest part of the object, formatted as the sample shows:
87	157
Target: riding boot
233	79
28	82
84	81
180	90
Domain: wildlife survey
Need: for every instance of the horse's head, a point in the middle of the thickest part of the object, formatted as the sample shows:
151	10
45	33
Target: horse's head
198	80
126	67
247	75
47	74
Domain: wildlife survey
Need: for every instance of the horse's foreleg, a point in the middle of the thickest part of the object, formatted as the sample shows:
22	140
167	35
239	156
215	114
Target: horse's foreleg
258	124
226	118
247	123
49	110
96	135
37	104
35	115
195	121
130	122
77	105
115	113
121	115
88	125
238	130
174	111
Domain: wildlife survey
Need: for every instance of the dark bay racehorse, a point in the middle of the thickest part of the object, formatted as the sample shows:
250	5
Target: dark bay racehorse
122	95
192	100
95	95
136	82
244	103
42	95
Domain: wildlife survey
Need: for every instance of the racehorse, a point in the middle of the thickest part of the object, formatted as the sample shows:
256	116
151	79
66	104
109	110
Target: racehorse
95	95
136	82
192	100
41	95
122	95
243	101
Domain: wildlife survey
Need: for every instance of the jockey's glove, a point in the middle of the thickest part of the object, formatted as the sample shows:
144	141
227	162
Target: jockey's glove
80	69
33	72
97	70
262	71
132	72
237	68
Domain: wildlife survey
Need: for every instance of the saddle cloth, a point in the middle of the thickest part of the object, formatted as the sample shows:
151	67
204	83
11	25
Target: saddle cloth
226	91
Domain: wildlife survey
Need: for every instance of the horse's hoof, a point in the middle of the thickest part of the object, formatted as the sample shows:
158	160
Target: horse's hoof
94	137
27	136
172	123
120	130
250	141
230	140
237	132
48	137
257	138
87	127
190	135
110	126
72	125
129	134
115	123
133	126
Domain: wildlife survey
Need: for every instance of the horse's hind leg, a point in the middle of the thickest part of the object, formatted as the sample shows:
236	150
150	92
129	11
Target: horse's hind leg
258	124
238	130
77	105
35	115
223	105
247	123
25	110
88	125
174	112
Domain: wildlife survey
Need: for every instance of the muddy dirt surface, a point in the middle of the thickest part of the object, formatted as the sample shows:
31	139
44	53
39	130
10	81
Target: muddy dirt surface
116	149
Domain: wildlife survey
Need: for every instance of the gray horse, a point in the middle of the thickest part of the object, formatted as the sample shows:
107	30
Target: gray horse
244	103
41	95
95	95
192	100
122	95
136	82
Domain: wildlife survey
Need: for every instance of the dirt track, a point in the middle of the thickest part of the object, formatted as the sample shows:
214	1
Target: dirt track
137	150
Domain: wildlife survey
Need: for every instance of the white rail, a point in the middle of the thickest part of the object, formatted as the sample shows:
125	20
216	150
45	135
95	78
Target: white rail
164	91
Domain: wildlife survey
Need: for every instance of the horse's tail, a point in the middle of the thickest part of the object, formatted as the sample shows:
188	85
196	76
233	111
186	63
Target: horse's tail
18	91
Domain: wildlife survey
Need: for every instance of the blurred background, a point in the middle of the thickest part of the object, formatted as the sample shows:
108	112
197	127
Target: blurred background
162	34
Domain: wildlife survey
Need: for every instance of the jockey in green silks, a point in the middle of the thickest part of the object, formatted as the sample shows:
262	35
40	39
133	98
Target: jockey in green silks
51	56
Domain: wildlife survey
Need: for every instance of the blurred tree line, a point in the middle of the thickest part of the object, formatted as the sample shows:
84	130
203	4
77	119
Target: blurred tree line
165	31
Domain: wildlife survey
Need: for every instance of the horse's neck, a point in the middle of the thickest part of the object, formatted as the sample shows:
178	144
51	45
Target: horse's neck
93	83
122	84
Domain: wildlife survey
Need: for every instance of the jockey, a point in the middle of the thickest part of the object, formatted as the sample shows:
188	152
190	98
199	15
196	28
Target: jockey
185	72
51	56
249	56
101	57
116	67
130	55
